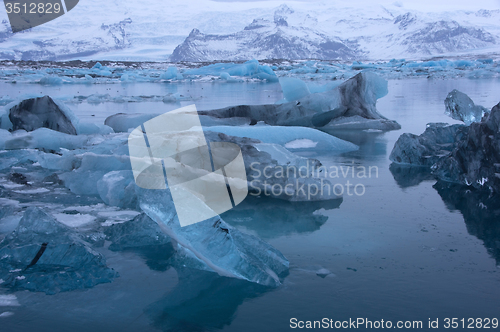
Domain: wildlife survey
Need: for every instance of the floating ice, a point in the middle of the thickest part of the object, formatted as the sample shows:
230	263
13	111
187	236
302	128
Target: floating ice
117	188
437	141
250	69
221	247
290	137
74	220
170	74
44	139
9	300
41	112
354	99
141	231
122	122
475	159
293	88
271	166
43	255
460	107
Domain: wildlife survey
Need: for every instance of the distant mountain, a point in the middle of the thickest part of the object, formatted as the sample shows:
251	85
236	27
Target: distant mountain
101	39
441	37
263	39
178	30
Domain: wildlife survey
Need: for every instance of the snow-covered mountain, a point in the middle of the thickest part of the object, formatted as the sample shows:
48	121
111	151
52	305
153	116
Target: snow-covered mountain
206	30
263	39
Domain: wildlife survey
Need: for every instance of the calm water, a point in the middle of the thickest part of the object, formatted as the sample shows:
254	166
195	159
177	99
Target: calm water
401	251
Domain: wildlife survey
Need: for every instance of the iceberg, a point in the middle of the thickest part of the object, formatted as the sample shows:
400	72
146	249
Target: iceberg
437	141
460	107
117	188
36	113
122	122
475	160
292	138
44	139
268	166
250	69
293	88
141	231
43	255
170	74
221	247
354	98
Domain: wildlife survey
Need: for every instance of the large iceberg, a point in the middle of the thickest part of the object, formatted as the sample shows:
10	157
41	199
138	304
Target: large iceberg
221	247
437	141
354	99
268	166
36	113
468	155
475	161
460	107
43	255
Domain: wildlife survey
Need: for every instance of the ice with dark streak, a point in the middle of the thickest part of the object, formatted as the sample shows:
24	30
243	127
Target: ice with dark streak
43	255
43	112
351	105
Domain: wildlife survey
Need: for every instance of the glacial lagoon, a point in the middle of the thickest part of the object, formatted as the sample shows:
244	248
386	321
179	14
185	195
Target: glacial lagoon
407	249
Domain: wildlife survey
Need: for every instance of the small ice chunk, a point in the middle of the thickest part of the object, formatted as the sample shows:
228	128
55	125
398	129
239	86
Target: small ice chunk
293	88
323	272
9	300
460	107
6	314
122	122
117	188
32	191
170	74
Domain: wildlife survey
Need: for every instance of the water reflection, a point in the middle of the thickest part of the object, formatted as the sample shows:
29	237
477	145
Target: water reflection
271	218
201	301
481	213
371	143
410	176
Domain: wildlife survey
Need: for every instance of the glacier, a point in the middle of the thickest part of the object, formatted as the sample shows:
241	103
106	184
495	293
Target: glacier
438	140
